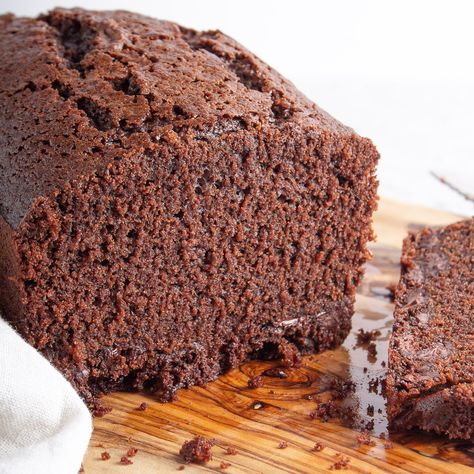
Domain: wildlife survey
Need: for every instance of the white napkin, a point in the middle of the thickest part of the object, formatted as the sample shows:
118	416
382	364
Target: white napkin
44	425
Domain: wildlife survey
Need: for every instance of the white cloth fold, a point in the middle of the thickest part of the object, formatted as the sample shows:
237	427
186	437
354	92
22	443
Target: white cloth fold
44	425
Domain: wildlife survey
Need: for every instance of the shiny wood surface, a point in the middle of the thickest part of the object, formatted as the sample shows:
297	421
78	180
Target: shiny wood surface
255	421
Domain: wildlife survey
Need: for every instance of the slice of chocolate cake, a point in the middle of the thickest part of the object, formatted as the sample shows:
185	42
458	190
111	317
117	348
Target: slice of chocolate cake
430	383
170	205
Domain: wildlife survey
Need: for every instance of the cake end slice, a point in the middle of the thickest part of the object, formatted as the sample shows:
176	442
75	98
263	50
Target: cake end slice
430	382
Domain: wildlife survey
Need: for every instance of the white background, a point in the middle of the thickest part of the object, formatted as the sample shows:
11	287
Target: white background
399	72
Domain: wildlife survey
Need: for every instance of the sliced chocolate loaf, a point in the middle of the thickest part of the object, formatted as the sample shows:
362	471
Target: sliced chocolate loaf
430	383
170	205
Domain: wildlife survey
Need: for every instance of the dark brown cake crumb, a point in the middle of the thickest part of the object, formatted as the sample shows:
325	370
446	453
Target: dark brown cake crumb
125	461
255	382
341	463
364	438
370	410
369	426
225	465
383	364
387	443
324	412
340	389
374	385
143	406
81	469
366	337
100	410
231	451
180	468
318	447
330	410
275	372
372	352
282	445
198	450
132	452
105	456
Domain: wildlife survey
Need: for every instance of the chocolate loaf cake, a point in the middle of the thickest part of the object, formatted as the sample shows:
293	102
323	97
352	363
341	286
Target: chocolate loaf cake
170	205
430	383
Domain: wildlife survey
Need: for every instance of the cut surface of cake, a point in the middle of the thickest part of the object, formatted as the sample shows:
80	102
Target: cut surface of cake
170	206
430	383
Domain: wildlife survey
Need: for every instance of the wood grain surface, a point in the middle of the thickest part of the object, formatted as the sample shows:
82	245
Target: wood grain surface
256	421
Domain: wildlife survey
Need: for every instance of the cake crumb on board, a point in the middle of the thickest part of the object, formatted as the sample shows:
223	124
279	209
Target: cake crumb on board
197	450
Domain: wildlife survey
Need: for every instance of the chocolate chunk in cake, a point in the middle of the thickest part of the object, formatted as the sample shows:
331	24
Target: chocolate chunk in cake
170	206
430	382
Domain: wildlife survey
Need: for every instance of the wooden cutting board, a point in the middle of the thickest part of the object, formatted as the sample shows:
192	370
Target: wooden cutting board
255	421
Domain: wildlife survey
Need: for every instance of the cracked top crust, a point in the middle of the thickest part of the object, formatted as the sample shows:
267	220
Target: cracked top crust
80	88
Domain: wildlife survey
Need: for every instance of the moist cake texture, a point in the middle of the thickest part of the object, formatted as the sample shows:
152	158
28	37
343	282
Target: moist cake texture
170	205
430	383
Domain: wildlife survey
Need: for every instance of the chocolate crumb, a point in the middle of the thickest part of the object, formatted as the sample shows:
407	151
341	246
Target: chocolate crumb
383	364
372	352
282	445
369	426
231	451
275	372
255	382
366	337
374	385
143	406
125	461
365	370
364	438
341	463
372	349
181	468
225	465
132	452
318	447
340	389
101	410
105	456
388	445
370	410
330	410
198	450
